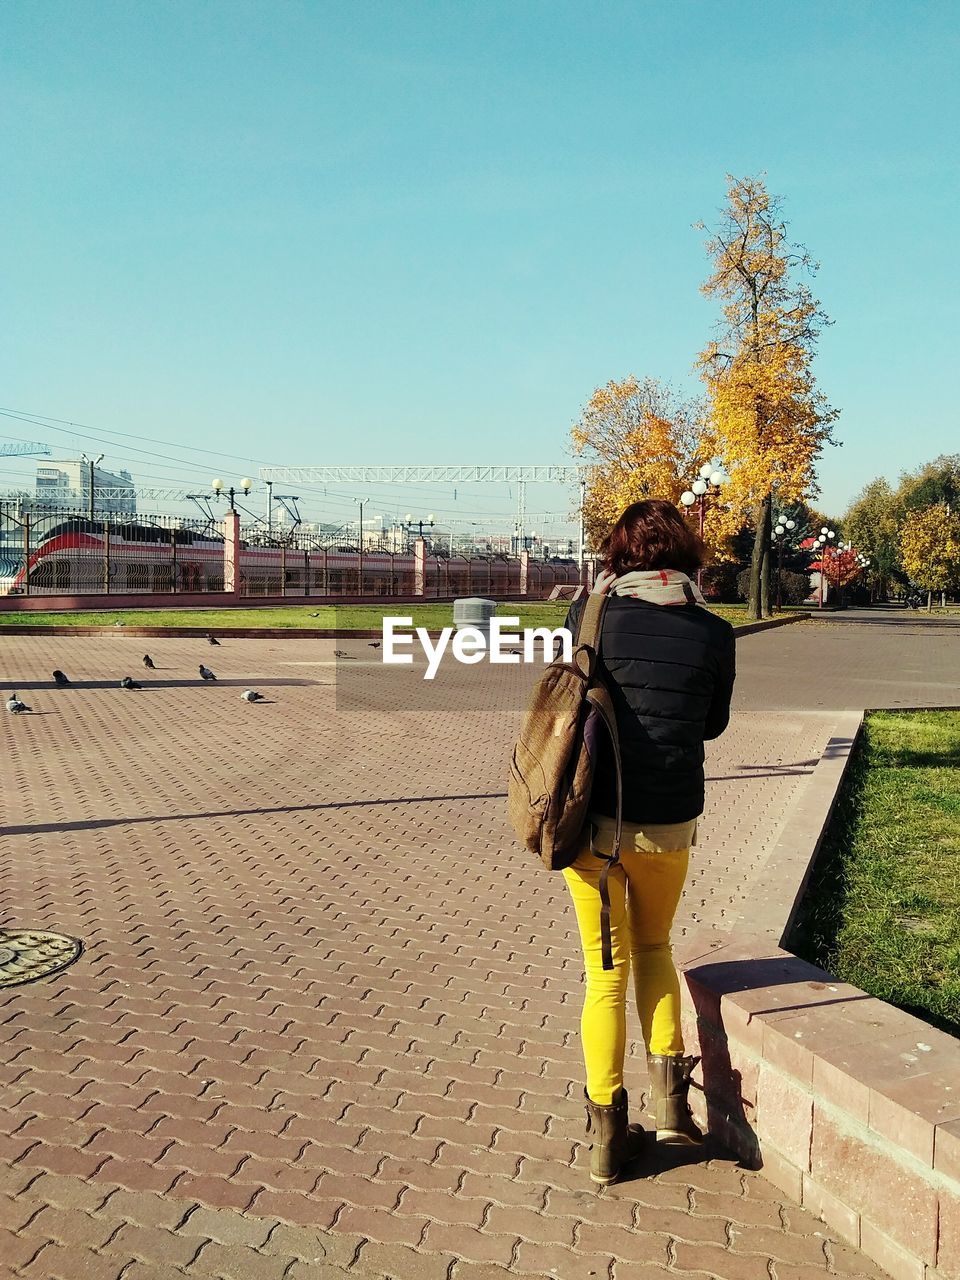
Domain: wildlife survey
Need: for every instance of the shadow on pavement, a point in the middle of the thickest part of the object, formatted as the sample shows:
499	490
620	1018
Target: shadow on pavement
146	683
802	769
96	824
908	620
661	1157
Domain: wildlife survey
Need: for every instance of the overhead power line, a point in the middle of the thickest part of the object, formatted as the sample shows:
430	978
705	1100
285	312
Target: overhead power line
166	469
405	474
81	428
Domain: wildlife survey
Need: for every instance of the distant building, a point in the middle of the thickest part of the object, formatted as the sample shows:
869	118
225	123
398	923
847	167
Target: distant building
66	483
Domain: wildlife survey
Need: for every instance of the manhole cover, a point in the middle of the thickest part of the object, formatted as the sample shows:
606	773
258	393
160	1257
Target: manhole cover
29	954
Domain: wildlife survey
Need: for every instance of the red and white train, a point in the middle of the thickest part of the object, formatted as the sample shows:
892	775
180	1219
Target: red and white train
74	558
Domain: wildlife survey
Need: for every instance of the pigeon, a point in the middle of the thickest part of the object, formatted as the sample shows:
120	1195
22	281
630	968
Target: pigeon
16	706
374	644
340	653
119	623
251	695
212	640
60	678
148	662
206	673
127	683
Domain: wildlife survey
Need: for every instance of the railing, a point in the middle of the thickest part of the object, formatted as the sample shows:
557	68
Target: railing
63	552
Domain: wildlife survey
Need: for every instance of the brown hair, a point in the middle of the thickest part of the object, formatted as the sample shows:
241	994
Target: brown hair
652	535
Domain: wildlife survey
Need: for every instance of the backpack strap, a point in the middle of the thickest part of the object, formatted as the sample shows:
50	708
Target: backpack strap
591	621
598	695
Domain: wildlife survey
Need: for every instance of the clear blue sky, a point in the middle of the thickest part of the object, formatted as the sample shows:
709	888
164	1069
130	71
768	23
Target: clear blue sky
318	232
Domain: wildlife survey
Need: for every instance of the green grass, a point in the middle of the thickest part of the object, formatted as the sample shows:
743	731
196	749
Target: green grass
883	908
347	617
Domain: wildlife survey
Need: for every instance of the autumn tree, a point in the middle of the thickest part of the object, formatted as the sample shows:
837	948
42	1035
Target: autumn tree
872	522
935	482
839	566
768	421
879	513
930	549
640	441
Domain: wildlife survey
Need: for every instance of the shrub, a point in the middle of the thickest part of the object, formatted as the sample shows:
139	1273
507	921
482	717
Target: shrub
794	587
720	583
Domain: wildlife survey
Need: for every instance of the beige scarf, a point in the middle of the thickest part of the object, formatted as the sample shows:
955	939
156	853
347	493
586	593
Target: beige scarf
658	586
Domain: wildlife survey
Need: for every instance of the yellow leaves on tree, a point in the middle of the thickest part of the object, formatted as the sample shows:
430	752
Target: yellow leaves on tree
640	443
876	516
930	548
767	426
768	422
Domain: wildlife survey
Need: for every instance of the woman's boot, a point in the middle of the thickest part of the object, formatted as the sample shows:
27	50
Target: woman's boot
669	1085
615	1141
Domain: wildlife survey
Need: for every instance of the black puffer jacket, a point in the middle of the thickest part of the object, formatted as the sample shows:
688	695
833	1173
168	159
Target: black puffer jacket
670	670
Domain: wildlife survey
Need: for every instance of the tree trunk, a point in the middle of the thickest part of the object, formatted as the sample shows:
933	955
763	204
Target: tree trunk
760	541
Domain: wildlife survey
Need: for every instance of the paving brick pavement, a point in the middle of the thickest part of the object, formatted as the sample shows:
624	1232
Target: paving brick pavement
326	1018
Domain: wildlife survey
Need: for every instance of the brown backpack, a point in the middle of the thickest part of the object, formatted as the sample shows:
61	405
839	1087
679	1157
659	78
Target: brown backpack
552	769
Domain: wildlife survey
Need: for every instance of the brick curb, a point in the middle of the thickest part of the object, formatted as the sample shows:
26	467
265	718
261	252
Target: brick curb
850	1106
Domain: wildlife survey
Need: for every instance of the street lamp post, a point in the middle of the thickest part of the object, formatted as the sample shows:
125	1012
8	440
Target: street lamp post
863	563
707	484
230	493
409	525
232	576
783	528
821	544
842	548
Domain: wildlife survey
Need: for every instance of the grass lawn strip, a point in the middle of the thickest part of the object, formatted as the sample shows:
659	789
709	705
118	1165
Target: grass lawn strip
541	613
883	908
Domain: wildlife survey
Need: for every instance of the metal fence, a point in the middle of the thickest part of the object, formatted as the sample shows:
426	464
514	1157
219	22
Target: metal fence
345	571
46	551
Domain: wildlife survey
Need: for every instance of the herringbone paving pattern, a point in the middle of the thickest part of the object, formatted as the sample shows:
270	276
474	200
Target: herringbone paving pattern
326	1019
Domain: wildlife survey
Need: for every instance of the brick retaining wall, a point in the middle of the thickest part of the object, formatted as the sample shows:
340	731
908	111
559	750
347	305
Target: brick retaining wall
850	1106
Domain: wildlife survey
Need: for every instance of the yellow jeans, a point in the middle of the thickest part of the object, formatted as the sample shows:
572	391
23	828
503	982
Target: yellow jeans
645	888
